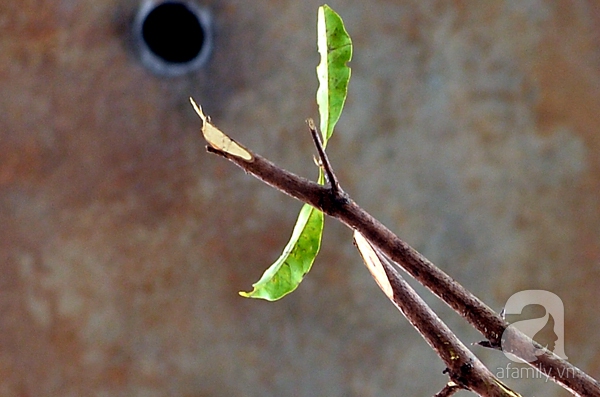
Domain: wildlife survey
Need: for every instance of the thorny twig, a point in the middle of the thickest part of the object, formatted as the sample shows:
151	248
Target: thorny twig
324	160
337	204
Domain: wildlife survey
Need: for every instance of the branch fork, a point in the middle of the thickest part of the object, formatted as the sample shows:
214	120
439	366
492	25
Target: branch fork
379	248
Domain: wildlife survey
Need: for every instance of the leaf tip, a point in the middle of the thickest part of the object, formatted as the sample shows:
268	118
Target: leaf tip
256	294
198	110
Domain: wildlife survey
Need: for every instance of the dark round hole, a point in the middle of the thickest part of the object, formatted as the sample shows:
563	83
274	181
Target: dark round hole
173	32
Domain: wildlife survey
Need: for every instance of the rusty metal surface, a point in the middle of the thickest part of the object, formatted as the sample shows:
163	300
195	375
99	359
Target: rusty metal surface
471	129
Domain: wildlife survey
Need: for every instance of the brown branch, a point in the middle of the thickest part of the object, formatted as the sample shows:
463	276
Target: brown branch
463	367
338	205
325	163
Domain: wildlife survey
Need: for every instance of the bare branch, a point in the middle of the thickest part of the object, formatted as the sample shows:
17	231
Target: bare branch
477	313
463	367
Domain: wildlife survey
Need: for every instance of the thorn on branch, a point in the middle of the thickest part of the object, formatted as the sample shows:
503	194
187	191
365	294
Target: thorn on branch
323	159
486	344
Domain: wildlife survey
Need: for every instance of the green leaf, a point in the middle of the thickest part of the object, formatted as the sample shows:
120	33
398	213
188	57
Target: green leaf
284	276
335	47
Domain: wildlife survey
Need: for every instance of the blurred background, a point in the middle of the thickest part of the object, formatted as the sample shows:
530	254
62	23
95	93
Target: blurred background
471	130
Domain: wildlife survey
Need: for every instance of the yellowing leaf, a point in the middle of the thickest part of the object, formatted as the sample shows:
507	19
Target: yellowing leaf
373	263
218	139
